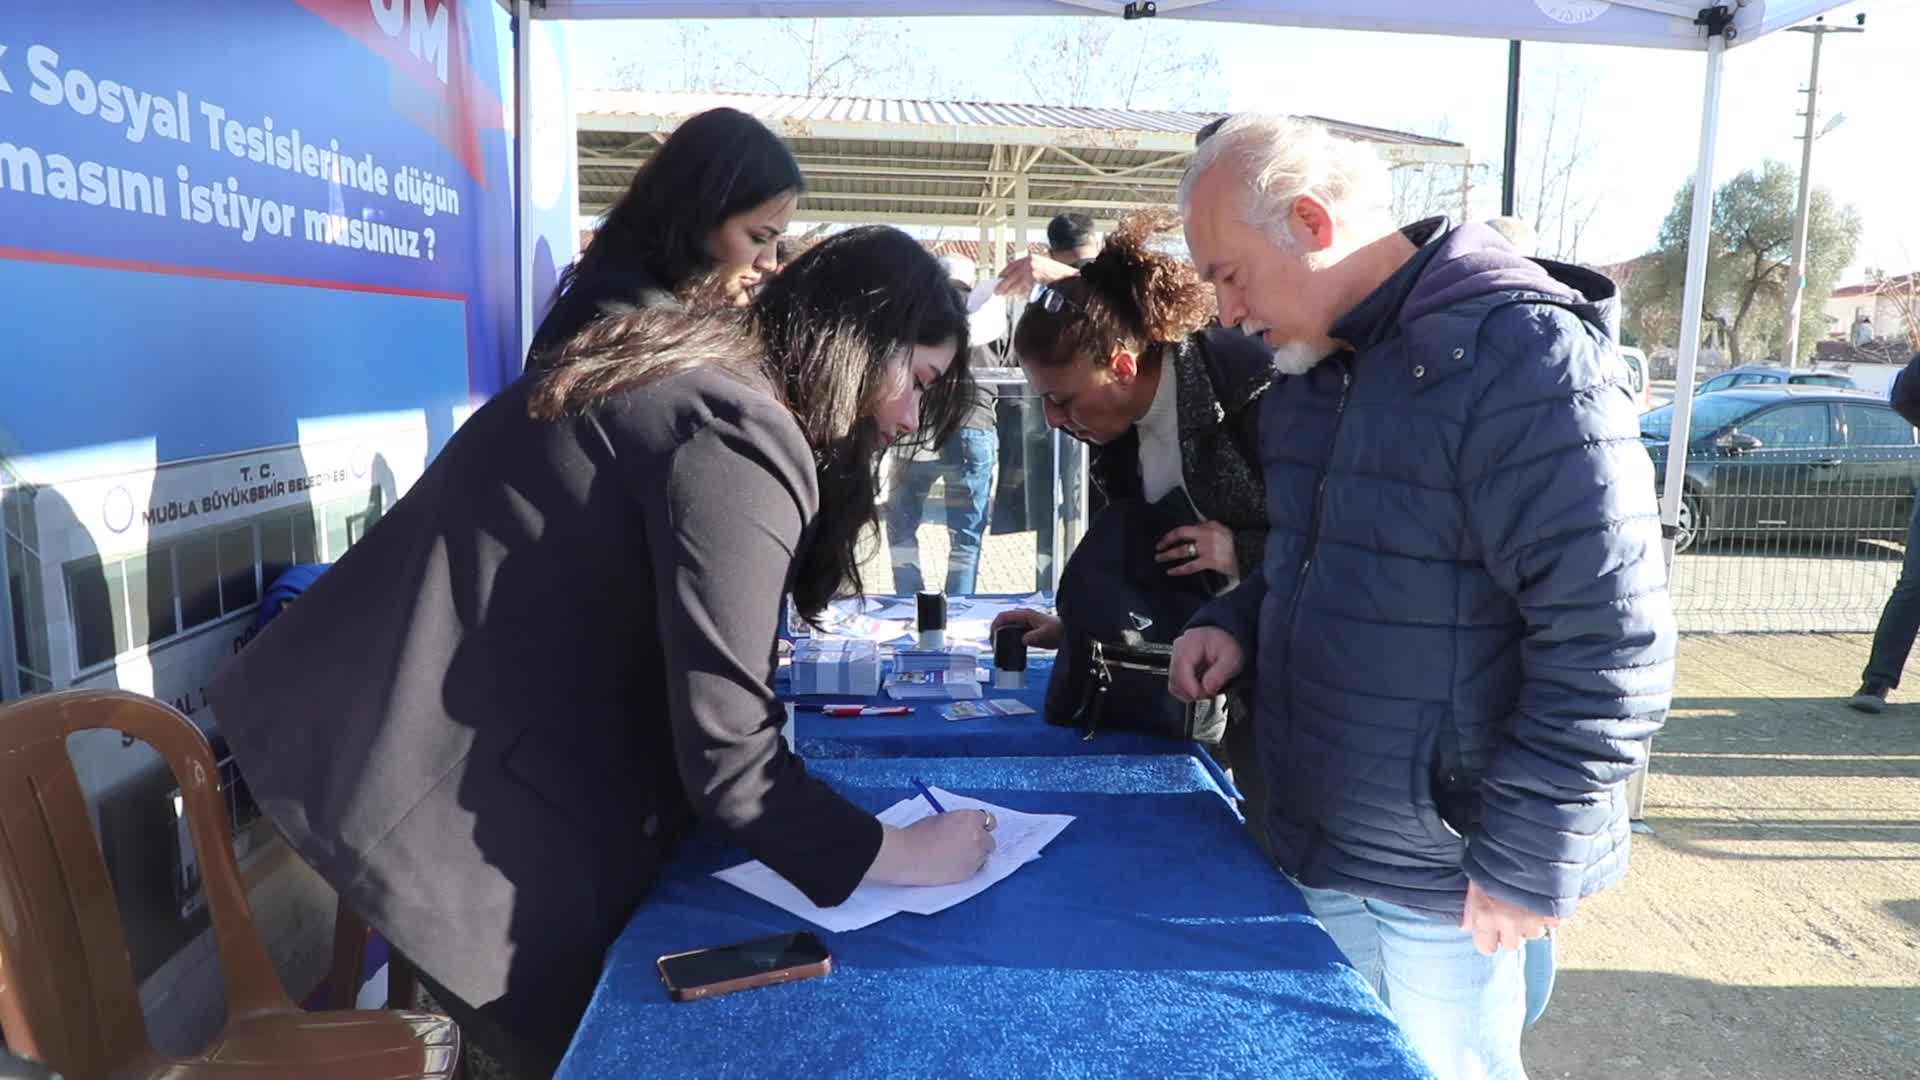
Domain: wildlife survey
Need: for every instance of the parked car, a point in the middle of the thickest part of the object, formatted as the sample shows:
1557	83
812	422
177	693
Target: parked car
1768	375
1876	379
1636	362
1790	460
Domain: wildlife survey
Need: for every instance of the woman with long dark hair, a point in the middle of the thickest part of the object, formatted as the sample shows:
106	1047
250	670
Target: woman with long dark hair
492	721
701	219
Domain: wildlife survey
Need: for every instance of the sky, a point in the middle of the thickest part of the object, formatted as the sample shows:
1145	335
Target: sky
1641	117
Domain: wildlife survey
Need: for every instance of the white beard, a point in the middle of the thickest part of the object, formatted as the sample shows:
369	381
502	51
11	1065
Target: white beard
1294	358
1289	358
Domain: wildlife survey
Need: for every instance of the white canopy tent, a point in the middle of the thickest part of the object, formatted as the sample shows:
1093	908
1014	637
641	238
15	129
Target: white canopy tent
1667	24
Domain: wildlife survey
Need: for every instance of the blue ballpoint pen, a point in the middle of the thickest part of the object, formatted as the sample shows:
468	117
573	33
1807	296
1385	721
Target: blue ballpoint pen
931	801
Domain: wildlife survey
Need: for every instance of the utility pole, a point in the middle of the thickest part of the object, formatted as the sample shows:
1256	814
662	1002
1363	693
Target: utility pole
1797	281
1509	163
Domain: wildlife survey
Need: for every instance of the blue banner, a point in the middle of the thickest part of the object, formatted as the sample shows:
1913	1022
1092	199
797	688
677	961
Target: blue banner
219	219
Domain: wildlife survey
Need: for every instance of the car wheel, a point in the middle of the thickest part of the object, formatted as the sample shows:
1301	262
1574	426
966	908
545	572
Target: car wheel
1691	528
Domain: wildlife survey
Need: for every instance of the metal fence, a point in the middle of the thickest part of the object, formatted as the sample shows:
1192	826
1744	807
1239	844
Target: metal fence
1805	532
1793	538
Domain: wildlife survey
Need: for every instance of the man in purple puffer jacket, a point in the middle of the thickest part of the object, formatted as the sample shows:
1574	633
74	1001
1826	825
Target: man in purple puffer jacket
1460	638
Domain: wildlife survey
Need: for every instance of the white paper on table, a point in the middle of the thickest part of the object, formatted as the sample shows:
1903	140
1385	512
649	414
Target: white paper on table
1018	840
970	619
759	879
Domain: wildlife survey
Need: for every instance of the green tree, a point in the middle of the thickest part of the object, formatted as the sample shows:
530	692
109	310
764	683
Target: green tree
1748	264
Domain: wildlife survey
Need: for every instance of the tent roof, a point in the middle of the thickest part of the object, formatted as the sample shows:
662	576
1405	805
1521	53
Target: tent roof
941	162
1650	23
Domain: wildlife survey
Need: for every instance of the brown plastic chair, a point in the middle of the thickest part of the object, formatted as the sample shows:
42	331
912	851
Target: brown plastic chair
67	994
351	936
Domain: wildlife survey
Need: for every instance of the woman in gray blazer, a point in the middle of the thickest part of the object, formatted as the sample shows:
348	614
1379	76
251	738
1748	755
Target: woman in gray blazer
491	722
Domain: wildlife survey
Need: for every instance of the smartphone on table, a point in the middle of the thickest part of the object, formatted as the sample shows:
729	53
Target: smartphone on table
704	973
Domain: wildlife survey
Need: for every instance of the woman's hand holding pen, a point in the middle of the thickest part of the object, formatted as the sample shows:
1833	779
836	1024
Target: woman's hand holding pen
936	850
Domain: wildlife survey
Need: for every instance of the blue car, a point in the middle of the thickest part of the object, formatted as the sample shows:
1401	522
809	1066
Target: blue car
1790	460
1770	375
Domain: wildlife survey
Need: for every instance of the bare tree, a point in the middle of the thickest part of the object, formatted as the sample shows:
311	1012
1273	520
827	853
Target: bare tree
1423	190
1901	292
806	57
1552	188
689	57
1117	64
822	57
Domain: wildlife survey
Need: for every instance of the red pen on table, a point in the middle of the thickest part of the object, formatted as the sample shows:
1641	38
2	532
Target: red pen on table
858	710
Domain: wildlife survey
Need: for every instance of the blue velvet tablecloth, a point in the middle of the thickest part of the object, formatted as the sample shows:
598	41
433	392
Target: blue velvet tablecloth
1150	939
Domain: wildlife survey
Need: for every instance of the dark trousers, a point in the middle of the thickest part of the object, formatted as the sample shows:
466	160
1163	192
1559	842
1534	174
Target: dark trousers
966	464
1900	619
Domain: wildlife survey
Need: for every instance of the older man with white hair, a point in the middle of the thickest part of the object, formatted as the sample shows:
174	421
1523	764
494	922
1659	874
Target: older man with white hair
1460	636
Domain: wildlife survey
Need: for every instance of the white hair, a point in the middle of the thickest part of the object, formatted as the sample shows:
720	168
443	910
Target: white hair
1277	159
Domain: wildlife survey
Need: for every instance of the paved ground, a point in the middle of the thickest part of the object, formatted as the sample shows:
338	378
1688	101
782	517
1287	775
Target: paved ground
1770	927
1006	561
1733	588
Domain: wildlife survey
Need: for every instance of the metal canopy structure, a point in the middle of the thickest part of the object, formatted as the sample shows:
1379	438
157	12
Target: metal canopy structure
948	163
1711	28
1667	24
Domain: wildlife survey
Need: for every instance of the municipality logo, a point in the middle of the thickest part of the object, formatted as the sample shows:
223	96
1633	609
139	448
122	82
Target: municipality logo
1573	11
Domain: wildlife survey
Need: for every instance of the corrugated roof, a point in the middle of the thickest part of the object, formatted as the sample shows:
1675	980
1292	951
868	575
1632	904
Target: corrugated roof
942	162
973	249
787	111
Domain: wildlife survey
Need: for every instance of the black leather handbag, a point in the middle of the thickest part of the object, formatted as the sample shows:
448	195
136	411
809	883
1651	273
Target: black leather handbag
1120	612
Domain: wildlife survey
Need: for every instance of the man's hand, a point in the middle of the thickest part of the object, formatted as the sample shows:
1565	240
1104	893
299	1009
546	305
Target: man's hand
1193	548
1495	924
1204	662
1023	274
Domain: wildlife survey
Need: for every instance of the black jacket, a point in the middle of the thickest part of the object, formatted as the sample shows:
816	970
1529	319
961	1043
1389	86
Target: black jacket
1221	375
587	300
489	723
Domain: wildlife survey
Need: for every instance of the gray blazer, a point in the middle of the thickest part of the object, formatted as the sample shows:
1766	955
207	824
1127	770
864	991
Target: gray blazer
489	723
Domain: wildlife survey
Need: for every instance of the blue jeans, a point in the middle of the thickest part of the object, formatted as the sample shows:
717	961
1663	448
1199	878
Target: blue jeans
1462	1011
966	463
1900	619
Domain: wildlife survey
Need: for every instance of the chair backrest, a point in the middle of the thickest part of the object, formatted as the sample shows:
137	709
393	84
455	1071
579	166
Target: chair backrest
67	993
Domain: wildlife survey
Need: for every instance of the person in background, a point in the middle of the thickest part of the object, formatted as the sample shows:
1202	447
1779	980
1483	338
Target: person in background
964	467
1459	638
1072	239
1072	242
1900	619
490	724
702	219
1519	235
1861	333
